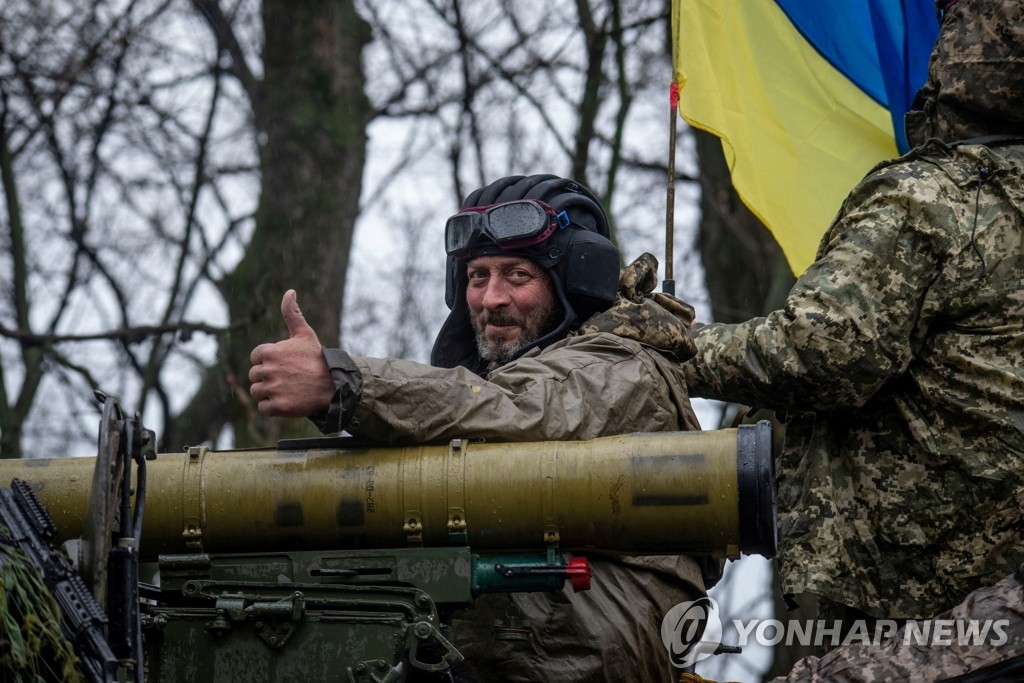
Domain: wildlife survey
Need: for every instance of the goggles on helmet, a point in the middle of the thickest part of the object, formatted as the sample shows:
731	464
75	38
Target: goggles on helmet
509	225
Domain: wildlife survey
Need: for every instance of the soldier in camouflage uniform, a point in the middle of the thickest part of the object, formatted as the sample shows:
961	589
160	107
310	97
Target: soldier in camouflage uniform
898	358
609	362
995	657
993	653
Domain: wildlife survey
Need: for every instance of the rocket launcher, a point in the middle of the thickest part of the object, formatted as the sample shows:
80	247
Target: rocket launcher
698	493
333	557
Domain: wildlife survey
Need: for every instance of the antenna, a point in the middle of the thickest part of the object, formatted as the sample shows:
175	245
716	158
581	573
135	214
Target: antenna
668	285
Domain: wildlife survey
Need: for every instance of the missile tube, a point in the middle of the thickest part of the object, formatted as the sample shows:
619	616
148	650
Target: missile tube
704	493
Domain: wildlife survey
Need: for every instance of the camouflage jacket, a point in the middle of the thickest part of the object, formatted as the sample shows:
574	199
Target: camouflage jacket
899	358
984	633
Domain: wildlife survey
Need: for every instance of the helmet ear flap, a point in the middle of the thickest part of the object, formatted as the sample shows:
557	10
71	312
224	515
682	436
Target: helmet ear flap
451	282
591	274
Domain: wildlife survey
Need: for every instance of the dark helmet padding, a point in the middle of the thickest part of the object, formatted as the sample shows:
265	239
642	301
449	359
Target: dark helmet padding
582	262
591	271
490	194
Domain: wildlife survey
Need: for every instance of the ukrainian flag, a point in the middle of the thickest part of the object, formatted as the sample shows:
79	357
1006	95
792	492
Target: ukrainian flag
806	95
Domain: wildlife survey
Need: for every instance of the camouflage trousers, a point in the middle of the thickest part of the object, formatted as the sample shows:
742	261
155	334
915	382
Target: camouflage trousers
983	633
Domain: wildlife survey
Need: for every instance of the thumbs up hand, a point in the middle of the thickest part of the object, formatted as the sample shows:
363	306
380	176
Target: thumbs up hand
290	378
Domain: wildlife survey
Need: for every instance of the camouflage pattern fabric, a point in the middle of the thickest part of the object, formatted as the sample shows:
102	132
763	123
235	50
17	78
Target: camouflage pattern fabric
33	649
999	609
899	360
688	677
659	320
976	74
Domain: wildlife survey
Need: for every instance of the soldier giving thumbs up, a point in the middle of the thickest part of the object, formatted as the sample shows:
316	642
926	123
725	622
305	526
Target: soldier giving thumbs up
290	378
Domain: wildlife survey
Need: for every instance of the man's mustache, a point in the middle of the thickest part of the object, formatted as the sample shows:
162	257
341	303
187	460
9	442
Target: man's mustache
502	318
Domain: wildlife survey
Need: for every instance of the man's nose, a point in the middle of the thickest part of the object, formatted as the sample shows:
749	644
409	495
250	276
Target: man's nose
497	294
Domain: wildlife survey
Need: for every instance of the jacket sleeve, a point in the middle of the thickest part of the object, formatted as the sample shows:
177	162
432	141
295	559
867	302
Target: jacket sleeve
853	320
580	388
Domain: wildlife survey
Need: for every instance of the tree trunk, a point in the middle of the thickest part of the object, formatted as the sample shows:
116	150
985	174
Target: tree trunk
310	112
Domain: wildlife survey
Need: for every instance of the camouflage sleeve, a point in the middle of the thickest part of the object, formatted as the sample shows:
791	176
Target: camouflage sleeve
984	633
656	319
850	321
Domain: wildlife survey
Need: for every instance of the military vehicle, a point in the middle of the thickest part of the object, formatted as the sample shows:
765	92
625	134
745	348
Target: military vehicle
334	559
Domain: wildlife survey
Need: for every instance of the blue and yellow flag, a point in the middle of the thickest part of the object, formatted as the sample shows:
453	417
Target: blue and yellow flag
806	95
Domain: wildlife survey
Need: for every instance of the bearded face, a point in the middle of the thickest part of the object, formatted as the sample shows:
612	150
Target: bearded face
511	303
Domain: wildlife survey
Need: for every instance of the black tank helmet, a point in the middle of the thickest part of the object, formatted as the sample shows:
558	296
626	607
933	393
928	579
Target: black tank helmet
579	257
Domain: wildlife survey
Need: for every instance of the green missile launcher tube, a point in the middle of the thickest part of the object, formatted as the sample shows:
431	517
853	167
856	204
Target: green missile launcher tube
702	493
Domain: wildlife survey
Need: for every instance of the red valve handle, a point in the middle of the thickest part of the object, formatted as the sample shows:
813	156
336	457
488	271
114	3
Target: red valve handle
578	571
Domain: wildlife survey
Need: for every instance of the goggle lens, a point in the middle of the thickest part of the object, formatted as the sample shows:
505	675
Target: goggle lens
510	225
459	230
516	221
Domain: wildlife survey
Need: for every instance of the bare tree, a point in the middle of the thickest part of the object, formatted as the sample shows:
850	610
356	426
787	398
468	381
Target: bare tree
524	87
70	81
310	115
172	168
165	165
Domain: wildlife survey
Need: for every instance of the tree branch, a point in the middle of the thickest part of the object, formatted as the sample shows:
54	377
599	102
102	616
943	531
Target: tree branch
228	41
128	335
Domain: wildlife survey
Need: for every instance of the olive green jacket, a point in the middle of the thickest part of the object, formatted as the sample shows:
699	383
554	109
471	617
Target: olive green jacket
619	373
582	387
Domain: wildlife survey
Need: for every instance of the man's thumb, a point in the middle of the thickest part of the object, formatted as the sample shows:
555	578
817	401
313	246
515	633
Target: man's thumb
293	317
